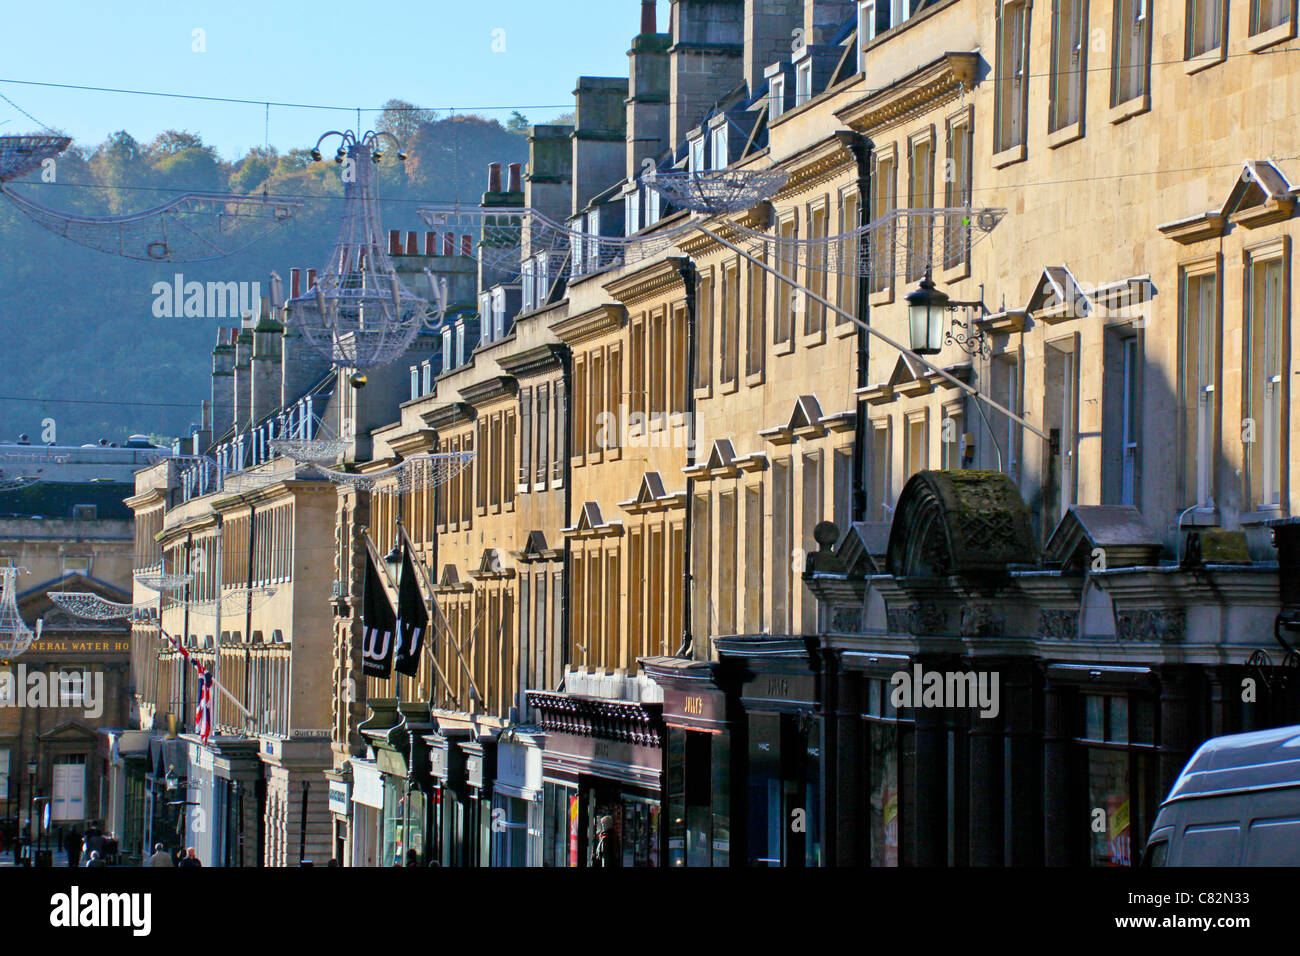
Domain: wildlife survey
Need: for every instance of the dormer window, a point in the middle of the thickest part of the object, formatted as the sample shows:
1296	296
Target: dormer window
652	207
593	243
775	98
448	359
485	315
498	315
695	160
460	343
721	158
803	83
632	213
543	273
866	30
426	370
529	287
415	382
579	260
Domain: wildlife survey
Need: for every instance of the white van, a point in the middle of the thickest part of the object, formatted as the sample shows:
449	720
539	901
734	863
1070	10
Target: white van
1236	803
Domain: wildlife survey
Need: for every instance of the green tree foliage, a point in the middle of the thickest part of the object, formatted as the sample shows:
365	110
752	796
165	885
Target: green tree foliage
78	324
518	123
404	120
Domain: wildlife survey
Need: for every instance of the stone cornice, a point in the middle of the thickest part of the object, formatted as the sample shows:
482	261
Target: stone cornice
652	281
488	390
446	416
413	443
757	218
927	86
529	362
579	328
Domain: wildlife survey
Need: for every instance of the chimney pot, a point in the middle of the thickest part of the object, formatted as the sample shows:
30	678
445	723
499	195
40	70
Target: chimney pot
295	281
647	16
467	245
430	243
448	243
516	178
494	177
394	242
412	243
311	279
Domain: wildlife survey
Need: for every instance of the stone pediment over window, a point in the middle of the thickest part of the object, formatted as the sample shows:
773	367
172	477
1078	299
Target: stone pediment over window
1057	296
1099	537
450	580
651	496
70	731
591	524
490	566
535	549
971	523
1261	195
807	421
860	545
723	462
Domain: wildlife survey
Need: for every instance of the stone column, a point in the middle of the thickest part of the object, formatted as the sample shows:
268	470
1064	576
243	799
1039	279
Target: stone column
1022	770
984	784
1058	841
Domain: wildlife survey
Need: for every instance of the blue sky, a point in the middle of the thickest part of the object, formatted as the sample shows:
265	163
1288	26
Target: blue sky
438	53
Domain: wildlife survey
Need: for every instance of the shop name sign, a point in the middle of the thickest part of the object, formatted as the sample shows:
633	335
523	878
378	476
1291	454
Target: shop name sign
68	646
338	797
698	707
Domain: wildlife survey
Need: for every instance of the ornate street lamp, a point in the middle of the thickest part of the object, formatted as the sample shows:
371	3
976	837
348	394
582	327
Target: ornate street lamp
926	307
393	561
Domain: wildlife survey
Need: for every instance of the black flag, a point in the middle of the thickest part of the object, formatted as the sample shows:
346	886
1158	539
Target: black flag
412	619
378	625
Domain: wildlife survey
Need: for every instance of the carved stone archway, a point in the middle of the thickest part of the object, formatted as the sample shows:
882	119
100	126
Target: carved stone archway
959	523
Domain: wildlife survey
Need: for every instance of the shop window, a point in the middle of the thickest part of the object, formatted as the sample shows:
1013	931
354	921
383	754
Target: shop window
784	779
890	744
559	825
1118	737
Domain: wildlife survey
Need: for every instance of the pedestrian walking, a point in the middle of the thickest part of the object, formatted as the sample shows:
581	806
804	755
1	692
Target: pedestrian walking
190	859
72	844
159	857
95	859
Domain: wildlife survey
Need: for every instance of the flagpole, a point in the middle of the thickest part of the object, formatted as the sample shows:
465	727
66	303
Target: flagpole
186	654
473	688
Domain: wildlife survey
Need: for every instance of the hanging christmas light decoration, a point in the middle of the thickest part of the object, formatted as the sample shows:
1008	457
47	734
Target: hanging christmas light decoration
15	635
358	314
232	601
92	607
720	192
193	227
159	580
14	482
415	474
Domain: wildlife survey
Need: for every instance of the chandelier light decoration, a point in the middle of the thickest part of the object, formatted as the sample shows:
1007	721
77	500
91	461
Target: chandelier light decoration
309	440
358	314
15	635
14	482
193	227
721	192
416	474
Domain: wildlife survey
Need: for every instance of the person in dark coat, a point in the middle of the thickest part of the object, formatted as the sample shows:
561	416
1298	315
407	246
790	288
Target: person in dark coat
190	859
72	843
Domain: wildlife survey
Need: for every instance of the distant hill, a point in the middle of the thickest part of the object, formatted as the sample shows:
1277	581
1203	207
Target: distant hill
79	324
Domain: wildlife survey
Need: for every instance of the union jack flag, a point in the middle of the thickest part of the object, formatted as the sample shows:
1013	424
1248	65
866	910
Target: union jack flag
203	716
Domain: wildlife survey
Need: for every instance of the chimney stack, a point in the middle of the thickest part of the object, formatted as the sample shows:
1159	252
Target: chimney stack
769	30
647	106
706	60
599	136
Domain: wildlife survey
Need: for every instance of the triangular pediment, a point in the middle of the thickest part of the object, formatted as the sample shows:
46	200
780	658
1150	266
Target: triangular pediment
535	546
906	369
590	519
1057	291
1102	536
450	576
807	412
69	730
721	455
1259	182
651	490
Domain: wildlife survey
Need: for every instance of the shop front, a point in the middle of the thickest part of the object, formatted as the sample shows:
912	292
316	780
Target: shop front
698	798
480	772
449	799
602	780
367	812
338	782
517	804
777	746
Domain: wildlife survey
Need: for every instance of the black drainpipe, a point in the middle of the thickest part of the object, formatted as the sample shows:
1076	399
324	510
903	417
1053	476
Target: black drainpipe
860	146
566	377
686	269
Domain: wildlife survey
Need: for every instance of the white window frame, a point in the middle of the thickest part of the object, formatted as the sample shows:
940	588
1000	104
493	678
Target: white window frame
866	30
718	146
803	82
775	97
530	288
